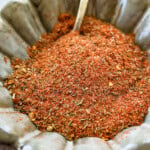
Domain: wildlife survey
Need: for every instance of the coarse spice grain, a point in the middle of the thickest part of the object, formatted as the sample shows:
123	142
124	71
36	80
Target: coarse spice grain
92	83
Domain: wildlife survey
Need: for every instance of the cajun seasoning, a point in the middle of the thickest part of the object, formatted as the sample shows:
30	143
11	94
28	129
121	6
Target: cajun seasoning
92	83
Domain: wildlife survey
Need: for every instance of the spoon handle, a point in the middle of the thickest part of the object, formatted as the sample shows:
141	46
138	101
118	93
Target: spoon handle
80	15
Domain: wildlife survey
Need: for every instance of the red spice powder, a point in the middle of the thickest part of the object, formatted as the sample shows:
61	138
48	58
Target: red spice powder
96	83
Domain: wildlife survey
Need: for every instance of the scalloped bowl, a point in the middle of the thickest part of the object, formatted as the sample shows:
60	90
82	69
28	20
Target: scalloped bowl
21	24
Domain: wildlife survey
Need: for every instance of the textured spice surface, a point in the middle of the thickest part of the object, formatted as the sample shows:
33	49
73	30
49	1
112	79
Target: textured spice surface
96	83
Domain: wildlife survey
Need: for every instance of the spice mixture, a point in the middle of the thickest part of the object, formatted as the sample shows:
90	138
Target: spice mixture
92	83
